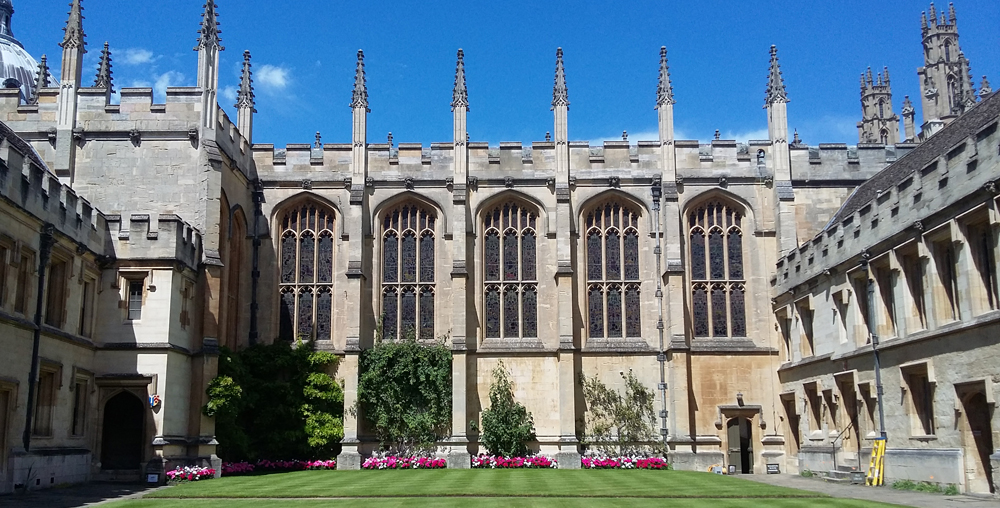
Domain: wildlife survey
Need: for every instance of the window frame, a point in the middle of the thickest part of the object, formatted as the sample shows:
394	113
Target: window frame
23	291
733	218
81	403
46	403
289	221
58	274
10	388
425	220
607	217
520	285
6	254
919	382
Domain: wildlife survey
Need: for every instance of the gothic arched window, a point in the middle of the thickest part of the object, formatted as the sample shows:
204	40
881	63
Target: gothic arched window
306	273
510	276
613	272
408	273
718	281
947	51
881	109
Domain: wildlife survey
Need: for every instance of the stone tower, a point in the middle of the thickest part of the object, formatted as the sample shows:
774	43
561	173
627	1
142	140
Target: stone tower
945	79
879	124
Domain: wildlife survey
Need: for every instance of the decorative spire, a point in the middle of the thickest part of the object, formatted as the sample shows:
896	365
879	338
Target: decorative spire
923	21
951	13
360	98
245	96
933	12
560	94
776	83
907	106
42	80
984	88
459	94
868	78
104	78
664	90
74	38
209	31
863	87
319	140
885	72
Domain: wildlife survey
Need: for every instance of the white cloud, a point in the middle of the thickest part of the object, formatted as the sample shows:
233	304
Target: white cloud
650	135
229	93
167	79
272	78
744	136
139	56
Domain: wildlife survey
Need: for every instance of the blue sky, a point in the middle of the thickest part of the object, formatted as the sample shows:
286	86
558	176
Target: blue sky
304	57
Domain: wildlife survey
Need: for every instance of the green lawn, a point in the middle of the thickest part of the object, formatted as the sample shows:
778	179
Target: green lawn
483	488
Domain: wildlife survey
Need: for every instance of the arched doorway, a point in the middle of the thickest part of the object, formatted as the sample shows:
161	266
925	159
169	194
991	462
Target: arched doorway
122	435
978	442
740	434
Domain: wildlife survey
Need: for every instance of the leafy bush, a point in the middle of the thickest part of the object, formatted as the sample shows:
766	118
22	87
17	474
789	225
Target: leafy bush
276	400
621	424
404	391
507	424
806	473
904	485
951	490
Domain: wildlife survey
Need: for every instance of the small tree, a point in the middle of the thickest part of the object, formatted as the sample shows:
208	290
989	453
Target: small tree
507	424
621	424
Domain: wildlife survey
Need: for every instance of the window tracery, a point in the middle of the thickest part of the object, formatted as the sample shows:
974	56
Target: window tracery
613	271
306	273
408	272
510	272
718	284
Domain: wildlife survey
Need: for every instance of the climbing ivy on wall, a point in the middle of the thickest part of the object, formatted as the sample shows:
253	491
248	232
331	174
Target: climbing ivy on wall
508	427
404	393
620	423
277	401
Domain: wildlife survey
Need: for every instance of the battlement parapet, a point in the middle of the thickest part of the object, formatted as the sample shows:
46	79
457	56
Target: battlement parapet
27	183
839	162
154	236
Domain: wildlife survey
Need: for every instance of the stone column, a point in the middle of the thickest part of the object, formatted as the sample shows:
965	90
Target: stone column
350	457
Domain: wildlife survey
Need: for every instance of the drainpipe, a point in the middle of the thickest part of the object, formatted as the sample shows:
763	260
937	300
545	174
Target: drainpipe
661	355
258	199
872	332
44	251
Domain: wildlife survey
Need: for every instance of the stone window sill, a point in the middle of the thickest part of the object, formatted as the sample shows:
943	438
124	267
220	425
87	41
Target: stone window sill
923	438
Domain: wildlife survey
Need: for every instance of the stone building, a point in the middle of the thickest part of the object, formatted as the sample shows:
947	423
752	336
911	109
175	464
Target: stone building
558	257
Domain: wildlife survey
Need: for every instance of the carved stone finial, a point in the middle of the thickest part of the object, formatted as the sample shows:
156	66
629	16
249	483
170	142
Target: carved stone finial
985	89
548	136
319	140
665	89
360	97
624	135
796	139
74	37
389	139
104	77
717	135
775	82
560	94
460	94
907	107
245	96
42	79
208	33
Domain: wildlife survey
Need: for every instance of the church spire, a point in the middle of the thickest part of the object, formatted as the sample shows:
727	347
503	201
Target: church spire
776	83
42	80
664	90
560	94
360	97
74	38
951	14
245	97
209	32
104	77
460	94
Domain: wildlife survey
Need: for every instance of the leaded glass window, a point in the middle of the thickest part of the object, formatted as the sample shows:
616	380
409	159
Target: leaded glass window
510	272
408	272
305	307
613	271
718	285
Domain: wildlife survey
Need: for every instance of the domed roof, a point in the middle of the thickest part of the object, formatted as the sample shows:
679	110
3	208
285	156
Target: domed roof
15	62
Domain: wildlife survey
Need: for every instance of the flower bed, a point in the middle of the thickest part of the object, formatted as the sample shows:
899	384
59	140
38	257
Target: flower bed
393	462
484	461
275	466
190	474
624	463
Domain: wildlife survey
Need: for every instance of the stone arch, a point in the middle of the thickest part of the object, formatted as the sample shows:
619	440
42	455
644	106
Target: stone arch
296	200
612	194
515	196
122	431
380	208
721	195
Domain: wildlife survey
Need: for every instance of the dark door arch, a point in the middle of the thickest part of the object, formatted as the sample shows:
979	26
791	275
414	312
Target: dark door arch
979	441
122	433
740	434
